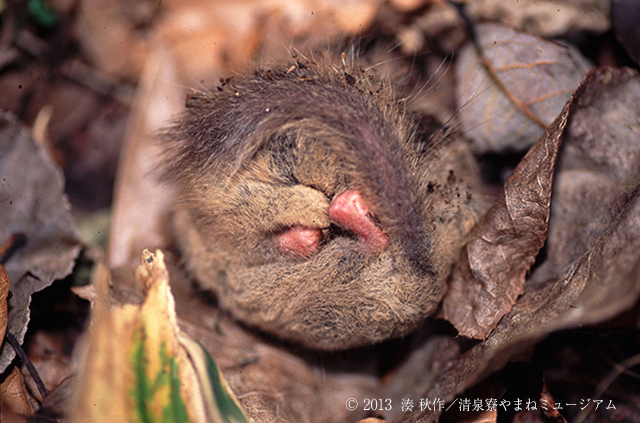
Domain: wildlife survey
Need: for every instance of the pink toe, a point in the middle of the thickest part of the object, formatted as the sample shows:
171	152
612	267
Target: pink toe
299	241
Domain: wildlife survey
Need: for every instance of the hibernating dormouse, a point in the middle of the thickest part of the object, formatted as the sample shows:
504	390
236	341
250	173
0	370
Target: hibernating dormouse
310	206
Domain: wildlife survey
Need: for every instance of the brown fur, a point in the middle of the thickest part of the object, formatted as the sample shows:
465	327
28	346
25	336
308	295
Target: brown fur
269	151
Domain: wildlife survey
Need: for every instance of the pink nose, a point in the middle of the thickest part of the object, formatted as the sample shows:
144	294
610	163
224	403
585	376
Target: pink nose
349	211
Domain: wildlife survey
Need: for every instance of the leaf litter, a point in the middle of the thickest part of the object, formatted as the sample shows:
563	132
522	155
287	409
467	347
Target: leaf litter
32	204
601	279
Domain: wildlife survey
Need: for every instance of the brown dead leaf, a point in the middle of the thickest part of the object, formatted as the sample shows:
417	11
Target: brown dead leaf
605	279
598	168
525	82
14	396
594	216
490	275
33	203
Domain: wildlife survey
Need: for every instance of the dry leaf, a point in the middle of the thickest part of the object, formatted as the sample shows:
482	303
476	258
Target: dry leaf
490	274
595	208
605	279
598	168
33	203
527	81
15	397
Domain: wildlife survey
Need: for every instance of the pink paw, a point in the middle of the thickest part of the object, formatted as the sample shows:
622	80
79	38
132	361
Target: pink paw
300	241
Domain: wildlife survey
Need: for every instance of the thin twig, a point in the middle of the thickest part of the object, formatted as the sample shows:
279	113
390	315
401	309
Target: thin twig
28	364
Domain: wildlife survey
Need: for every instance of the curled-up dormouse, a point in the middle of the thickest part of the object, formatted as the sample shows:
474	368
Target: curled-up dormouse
311	209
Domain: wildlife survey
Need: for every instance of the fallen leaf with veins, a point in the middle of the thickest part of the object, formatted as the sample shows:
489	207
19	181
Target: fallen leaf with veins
491	272
510	94
603	278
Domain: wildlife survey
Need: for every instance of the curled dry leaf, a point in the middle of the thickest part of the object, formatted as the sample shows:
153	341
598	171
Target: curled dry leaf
491	272
523	85
14	396
600	276
32	202
595	224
